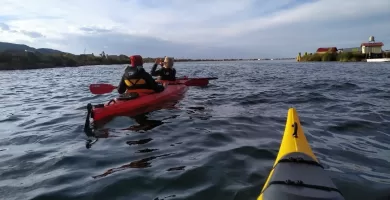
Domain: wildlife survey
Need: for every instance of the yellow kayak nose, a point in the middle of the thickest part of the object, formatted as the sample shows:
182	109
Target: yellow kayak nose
296	173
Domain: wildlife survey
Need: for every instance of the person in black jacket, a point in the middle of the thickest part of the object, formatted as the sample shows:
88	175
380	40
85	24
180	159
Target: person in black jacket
135	77
167	72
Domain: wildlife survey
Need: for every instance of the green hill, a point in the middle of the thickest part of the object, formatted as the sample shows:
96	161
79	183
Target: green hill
15	57
5	46
20	56
49	51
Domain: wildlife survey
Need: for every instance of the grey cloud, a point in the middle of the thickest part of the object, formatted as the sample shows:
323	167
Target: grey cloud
284	41
288	40
94	30
146	46
4	27
32	34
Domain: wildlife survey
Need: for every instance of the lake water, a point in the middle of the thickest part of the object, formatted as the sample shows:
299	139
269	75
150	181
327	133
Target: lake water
219	142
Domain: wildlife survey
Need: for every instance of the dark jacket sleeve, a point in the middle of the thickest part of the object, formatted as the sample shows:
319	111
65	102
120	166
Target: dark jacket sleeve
149	80
155	72
174	74
122	86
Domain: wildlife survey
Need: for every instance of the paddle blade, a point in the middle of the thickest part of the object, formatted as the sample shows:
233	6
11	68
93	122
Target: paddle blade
199	81
196	82
101	88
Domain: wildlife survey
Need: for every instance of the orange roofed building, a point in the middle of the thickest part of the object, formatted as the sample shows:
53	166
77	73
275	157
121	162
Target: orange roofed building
322	50
372	47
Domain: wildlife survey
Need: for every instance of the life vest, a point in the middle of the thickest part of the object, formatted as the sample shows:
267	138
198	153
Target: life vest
137	85
134	82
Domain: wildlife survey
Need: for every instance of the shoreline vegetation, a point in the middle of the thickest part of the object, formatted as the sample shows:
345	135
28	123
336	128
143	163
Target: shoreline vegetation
334	56
341	57
38	61
23	57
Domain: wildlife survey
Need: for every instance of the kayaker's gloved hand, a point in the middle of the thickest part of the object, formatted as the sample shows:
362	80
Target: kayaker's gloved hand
158	61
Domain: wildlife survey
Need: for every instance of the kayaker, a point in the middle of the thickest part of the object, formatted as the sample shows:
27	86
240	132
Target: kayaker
167	72
135	77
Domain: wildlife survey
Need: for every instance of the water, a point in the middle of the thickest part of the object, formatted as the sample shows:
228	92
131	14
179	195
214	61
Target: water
219	142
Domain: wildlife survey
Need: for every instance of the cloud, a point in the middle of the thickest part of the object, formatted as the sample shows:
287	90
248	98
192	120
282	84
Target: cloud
194	28
4	27
31	34
94	30
118	43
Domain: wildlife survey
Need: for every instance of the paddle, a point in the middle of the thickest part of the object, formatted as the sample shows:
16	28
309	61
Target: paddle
186	78
101	88
196	81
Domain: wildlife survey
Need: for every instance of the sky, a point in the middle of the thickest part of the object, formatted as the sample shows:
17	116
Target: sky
194	28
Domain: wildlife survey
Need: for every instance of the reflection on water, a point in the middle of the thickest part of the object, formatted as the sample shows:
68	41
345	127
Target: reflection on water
141	141
196	112
144	124
143	163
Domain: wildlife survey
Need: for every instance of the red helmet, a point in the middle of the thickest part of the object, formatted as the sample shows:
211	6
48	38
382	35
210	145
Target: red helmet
136	60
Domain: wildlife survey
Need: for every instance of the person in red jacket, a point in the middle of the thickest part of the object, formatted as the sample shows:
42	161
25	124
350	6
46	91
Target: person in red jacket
135	77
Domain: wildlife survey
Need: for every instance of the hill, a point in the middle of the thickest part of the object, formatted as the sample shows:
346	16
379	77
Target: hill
20	56
15	57
5	46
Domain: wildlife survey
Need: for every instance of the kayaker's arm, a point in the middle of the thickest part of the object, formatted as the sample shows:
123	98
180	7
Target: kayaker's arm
122	86
155	72
173	75
150	81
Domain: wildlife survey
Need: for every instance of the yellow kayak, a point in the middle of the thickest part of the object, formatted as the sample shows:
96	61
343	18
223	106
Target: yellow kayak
296	173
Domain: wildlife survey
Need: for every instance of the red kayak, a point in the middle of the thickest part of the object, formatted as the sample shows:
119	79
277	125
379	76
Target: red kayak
137	102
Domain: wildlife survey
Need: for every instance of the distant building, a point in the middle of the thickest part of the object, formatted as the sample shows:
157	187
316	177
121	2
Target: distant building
371	47
322	50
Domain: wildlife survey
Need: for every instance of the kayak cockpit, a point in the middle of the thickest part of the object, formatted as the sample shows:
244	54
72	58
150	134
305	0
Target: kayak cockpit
297	176
128	96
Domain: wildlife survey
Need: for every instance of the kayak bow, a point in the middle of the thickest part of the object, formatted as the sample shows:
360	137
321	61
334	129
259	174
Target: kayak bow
296	173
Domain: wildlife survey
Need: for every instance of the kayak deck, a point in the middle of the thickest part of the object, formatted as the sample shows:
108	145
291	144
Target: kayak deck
140	104
296	173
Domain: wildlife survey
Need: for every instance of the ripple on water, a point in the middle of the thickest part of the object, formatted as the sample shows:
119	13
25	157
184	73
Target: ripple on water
219	142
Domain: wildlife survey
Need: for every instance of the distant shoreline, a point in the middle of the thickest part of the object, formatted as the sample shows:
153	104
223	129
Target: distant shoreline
22	57
61	62
336	57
